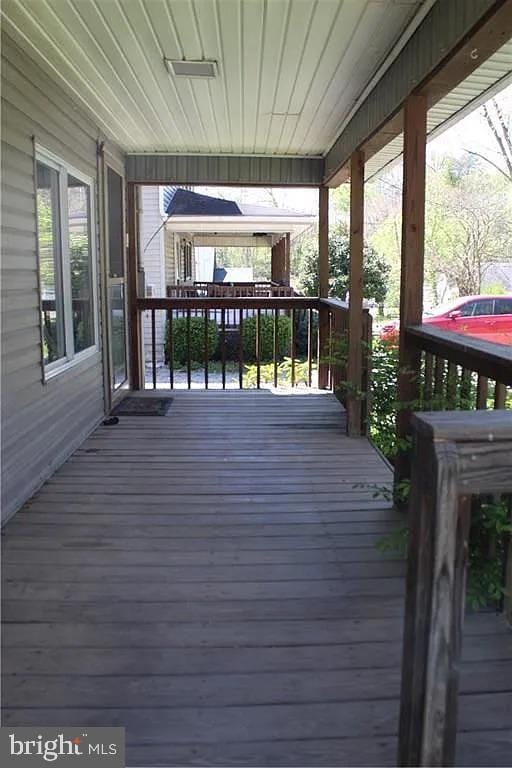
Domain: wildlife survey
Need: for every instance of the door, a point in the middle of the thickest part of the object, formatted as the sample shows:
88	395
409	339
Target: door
116	281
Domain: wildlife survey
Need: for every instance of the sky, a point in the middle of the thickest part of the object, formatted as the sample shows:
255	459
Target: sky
472	132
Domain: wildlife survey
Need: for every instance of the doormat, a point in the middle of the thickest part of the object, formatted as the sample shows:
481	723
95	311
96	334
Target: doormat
143	406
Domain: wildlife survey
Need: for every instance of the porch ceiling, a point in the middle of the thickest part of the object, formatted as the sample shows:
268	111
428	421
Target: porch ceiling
290	71
487	80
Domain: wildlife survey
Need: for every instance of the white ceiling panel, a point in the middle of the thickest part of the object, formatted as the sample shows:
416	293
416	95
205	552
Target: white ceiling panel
289	70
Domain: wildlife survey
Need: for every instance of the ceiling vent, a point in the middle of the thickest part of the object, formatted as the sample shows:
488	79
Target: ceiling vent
181	68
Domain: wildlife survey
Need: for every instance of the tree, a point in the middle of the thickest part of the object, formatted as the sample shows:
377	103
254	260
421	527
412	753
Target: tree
375	269
499	123
468	224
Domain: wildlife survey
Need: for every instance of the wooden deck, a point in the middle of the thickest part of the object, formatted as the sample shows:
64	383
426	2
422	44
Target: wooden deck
210	580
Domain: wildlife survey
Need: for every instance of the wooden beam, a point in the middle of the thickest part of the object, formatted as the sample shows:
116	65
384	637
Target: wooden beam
134	330
323	285
355	306
411	280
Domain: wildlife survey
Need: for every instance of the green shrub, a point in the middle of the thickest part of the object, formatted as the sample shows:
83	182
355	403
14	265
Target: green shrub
490	520
179	337
266	337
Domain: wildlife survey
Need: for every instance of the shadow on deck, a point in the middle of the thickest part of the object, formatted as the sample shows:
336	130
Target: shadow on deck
210	580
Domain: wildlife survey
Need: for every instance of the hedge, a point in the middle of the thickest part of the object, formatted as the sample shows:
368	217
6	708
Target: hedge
179	337
266	338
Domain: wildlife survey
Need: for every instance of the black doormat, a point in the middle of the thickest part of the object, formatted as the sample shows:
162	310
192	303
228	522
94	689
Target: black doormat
143	406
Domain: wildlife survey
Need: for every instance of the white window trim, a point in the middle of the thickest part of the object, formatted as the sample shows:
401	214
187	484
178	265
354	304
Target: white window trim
50	370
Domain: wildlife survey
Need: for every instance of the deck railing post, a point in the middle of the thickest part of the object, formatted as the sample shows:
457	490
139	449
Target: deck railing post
434	609
355	310
135	336
411	279
454	455
323	286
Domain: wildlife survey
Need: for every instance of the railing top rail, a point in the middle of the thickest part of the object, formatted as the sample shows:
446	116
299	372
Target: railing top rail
230	302
464	426
338	305
491	360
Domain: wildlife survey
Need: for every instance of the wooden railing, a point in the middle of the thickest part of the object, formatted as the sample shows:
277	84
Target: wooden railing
454	455
229	290
461	371
229	315
449	371
307	352
333	334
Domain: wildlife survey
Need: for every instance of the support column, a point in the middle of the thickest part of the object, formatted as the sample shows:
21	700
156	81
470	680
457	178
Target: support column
412	268
323	285
355	311
280	266
134	330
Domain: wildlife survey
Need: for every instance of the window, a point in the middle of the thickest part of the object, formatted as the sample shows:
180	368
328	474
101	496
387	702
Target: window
475	308
466	310
187	259
503	306
66	263
483	307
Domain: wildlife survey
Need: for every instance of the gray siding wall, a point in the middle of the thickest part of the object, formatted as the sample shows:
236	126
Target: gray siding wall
221	169
42	423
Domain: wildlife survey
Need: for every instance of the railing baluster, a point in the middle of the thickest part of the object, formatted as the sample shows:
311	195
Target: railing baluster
465	389
206	348
153	347
481	393
258	348
189	367
451	386
310	346
438	383
170	350
429	372
241	352
275	343
292	344
223	346
331	347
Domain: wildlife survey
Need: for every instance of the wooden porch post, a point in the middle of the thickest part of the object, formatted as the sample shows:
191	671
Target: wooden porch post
280	266
323	283
134	330
355	310
287	259
411	280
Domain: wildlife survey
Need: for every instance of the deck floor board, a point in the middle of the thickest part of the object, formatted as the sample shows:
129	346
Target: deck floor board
210	579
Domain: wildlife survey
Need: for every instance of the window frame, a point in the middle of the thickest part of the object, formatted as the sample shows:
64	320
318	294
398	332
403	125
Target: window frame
65	169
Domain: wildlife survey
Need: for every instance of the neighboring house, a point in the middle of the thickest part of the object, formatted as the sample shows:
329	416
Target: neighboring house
180	230
498	275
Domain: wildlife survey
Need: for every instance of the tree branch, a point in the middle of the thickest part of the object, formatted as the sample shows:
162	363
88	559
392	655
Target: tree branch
491	162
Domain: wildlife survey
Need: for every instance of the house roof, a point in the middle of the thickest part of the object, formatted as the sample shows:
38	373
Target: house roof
184	202
215	221
499	273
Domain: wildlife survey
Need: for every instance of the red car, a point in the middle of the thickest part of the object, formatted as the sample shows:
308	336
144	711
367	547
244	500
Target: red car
485	317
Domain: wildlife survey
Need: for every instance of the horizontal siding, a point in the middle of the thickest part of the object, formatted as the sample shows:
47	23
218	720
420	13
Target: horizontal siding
219	169
41	423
